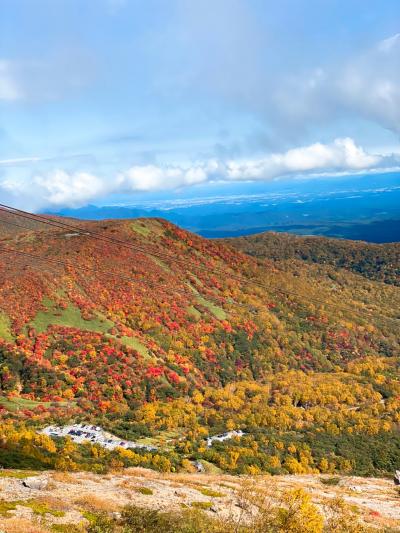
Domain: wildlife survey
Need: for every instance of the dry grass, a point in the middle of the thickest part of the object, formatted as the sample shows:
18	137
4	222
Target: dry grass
127	484
237	499
186	478
21	525
143	473
64	477
53	503
92	502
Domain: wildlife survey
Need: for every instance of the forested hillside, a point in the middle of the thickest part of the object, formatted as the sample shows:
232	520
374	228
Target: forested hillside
374	261
165	337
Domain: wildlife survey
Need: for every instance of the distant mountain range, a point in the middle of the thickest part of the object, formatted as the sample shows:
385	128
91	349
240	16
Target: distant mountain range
367	209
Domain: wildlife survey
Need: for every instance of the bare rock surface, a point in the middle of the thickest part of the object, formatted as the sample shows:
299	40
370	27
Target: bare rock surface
67	496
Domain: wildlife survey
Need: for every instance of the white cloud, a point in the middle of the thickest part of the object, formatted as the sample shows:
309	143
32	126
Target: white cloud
28	161
339	155
19	161
60	188
342	154
152	177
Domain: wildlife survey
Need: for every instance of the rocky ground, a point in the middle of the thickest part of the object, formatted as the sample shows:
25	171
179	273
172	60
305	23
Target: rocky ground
35	504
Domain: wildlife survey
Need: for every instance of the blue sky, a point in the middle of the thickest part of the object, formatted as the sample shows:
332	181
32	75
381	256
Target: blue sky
106	98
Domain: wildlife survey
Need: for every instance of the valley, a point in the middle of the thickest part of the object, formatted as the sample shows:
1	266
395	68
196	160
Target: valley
195	358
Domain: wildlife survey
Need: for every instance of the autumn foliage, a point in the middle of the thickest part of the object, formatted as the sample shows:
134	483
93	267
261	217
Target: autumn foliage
199	339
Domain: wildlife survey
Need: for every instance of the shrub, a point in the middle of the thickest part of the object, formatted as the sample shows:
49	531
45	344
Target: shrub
144	490
147	520
202	505
210	492
101	524
330	480
341	518
296	514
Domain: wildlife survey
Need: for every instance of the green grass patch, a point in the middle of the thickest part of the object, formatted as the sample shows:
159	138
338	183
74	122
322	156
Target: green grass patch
66	528
331	481
18	474
135	343
89	515
41	509
194	312
160	440
144	490
69	317
160	263
218	312
210	468
5	328
15	404
7	506
38	508
211	493
205	506
141	228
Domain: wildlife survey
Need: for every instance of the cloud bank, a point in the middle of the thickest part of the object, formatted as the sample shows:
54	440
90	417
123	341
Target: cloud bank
59	188
365	86
236	62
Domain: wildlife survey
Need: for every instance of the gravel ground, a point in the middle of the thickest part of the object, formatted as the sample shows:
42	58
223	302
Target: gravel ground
69	495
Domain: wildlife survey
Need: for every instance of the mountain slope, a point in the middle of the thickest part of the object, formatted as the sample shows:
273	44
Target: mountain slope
196	339
380	262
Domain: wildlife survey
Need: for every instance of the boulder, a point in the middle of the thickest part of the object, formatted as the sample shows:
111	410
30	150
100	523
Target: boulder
36	483
397	477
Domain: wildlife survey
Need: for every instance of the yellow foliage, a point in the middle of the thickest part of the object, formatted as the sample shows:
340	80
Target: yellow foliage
299	514
293	466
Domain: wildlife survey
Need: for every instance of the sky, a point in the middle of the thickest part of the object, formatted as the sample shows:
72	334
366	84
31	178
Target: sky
122	98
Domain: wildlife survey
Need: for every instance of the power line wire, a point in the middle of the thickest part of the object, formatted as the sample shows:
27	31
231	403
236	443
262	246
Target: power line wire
82	231
67	264
99	236
253	308
160	255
